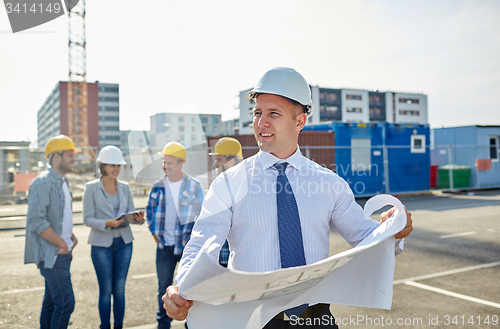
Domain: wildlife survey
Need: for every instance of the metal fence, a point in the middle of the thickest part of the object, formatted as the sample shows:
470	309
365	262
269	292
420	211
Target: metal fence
368	170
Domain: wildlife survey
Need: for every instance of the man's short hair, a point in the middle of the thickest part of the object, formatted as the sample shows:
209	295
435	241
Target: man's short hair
51	156
299	107
236	159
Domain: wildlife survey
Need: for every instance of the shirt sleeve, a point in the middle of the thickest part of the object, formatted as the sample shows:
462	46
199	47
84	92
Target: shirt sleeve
348	217
200	195
38	201
89	210
152	204
213	223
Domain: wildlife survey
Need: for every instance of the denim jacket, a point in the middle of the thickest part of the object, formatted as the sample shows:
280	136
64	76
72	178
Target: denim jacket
45	208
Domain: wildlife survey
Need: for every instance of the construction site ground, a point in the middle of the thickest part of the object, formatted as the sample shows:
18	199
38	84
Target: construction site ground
446	277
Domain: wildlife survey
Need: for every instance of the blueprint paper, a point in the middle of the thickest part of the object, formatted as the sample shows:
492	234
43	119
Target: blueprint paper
361	276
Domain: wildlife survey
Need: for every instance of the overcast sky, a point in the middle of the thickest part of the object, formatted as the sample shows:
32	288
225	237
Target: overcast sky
171	55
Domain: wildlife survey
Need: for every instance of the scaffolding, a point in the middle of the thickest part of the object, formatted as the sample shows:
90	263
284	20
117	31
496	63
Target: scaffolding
77	84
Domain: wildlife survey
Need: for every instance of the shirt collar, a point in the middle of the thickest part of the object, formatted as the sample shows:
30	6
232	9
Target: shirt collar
167	181
56	175
268	160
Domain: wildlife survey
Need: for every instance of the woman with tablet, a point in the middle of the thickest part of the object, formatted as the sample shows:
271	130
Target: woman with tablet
105	201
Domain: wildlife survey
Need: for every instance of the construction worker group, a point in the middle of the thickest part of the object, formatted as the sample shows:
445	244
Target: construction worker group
257	232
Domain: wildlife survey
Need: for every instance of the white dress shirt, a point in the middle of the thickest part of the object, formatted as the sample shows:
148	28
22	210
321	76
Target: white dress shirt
241	207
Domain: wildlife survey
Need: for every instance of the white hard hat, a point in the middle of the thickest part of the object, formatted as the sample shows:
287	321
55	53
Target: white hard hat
286	82
111	155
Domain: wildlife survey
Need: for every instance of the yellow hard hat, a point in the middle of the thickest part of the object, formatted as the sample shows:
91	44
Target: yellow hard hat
175	149
227	146
58	144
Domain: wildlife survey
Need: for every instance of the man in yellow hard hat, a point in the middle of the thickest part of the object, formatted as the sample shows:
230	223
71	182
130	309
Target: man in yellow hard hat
173	206
49	232
227	153
283	208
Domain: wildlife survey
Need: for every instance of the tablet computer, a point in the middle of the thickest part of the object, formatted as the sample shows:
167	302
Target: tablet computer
129	219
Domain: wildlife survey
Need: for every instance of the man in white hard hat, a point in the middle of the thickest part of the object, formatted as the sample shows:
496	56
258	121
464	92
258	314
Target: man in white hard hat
173	206
49	232
275	223
227	154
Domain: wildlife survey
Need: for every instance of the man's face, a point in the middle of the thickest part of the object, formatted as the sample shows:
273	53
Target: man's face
221	163
67	158
171	166
275	128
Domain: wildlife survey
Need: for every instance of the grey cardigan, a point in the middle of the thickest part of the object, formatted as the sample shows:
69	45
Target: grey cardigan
98	208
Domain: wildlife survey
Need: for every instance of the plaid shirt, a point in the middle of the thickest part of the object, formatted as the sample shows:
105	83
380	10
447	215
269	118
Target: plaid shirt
190	200
224	254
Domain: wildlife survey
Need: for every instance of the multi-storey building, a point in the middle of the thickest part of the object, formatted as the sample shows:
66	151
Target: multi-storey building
229	127
185	128
352	105
14	158
103	114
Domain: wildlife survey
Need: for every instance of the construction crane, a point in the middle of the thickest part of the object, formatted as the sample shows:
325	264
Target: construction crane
77	82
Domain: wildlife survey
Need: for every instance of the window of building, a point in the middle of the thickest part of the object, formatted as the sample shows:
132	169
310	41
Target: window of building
329	97
409	100
494	151
192	119
329	113
108	118
360	154
204	120
409	112
193	129
417	144
109	89
180	119
376	100
109	109
357	97
247	124
181	128
12	156
108	99
109	138
372	99
377	114
109	128
354	110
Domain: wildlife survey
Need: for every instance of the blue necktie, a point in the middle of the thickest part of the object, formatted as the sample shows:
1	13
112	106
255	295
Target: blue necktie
289	231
